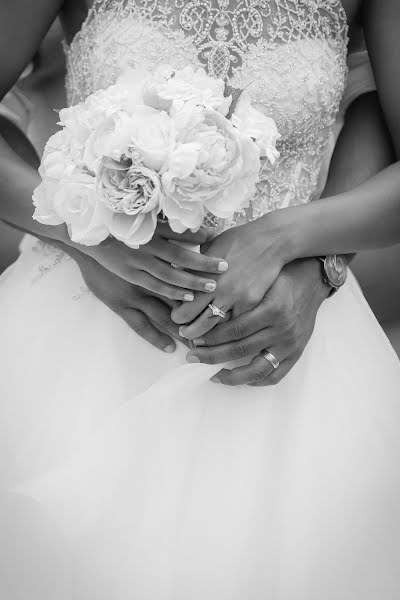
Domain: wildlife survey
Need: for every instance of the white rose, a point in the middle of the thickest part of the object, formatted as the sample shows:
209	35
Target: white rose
253	124
134	232
58	159
128	188
76	203
133	193
43	202
169	86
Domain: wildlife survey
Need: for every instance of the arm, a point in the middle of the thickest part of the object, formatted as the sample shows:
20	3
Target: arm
149	266
148	316
17	178
366	217
285	318
369	216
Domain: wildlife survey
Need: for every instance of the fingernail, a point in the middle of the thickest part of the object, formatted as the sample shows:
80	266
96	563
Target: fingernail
188	297
192	359
215	379
211	287
169	349
199	342
180	331
223	266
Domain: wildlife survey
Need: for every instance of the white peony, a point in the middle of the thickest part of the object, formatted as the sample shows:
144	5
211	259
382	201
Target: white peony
168	88
151	144
145	134
213	168
253	124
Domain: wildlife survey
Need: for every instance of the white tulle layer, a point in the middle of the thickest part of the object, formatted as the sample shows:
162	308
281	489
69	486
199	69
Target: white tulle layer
125	473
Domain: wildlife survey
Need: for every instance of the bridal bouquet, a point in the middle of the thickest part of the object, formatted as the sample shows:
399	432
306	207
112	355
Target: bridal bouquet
171	145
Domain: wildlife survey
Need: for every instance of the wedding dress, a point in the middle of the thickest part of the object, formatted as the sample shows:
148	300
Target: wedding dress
124	472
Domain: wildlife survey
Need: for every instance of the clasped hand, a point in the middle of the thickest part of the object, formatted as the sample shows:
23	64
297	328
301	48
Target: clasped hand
279	316
273	306
255	254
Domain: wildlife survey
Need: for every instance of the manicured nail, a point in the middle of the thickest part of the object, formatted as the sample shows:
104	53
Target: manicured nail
215	379
223	266
170	349
192	359
199	342
211	287
188	297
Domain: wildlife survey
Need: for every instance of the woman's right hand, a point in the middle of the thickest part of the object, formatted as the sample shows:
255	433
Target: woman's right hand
147	315
161	266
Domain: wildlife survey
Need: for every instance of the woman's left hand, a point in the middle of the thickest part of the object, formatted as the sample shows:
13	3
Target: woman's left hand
255	253
281	324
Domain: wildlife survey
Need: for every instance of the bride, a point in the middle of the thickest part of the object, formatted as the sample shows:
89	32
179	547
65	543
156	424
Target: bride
124	471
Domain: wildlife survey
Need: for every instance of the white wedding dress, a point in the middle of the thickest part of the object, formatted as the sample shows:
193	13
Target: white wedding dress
126	474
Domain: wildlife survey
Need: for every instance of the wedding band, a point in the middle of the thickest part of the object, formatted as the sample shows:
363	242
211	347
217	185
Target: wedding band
271	359
217	312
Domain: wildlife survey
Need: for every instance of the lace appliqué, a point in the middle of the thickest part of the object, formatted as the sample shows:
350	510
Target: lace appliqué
50	258
83	291
216	33
289	54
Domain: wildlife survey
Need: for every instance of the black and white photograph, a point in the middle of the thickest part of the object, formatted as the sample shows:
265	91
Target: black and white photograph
199	299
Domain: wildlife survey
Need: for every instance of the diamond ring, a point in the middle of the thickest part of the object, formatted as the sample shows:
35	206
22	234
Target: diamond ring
217	312
274	362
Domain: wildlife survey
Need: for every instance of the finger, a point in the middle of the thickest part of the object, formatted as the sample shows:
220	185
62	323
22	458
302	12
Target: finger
197	238
188	259
277	375
159	314
257	371
190	281
237	329
188	311
150	283
206	321
233	350
139	322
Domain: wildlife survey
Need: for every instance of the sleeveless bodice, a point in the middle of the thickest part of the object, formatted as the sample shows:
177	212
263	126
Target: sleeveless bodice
289	54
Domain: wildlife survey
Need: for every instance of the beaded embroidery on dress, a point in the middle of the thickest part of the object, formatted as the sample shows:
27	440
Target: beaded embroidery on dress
289	54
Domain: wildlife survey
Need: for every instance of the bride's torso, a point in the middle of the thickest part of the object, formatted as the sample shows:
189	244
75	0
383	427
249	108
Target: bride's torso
291	55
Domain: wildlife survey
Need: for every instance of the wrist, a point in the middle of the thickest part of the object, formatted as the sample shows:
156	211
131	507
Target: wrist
310	272
282	227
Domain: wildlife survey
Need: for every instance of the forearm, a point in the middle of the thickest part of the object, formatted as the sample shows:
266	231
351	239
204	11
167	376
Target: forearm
18	179
365	218
363	150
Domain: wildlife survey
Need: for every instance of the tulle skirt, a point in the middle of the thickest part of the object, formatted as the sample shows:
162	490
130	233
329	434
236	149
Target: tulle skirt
125	473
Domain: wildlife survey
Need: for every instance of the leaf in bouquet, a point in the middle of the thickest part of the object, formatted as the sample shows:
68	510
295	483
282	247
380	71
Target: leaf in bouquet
235	93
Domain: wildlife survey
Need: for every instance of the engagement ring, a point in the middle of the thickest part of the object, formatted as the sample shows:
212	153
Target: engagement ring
217	312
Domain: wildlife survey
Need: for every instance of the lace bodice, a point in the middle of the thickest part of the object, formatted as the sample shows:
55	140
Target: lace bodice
290	54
